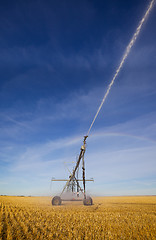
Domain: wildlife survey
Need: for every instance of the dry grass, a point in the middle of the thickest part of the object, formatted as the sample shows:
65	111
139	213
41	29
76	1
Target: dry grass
109	218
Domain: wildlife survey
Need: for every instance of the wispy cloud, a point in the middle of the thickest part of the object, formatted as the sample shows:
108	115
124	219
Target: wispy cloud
112	156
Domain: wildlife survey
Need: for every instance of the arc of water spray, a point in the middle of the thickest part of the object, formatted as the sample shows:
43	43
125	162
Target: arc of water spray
123	60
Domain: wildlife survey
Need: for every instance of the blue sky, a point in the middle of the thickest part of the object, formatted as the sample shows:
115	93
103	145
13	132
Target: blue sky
57	59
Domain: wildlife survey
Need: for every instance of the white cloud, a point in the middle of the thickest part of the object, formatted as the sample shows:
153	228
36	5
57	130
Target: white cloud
112	156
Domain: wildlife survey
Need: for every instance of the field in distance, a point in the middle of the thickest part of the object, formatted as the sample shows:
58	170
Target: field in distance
109	218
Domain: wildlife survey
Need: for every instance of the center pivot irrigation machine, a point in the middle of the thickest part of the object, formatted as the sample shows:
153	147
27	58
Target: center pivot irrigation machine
72	187
72	190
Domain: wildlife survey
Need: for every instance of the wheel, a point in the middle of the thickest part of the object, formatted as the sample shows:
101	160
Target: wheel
56	201
88	201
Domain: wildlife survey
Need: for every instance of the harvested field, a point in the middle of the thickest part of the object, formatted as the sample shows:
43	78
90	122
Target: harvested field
109	218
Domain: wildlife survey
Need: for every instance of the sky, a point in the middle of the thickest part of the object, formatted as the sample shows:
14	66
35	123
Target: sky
57	60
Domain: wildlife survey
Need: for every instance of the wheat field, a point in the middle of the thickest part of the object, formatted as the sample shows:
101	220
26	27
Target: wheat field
109	218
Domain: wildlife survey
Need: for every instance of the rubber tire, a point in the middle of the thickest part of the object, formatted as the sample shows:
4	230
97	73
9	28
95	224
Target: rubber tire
88	201
56	201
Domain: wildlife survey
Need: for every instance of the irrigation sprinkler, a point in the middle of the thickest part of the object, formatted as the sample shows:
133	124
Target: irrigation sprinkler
75	188
73	191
